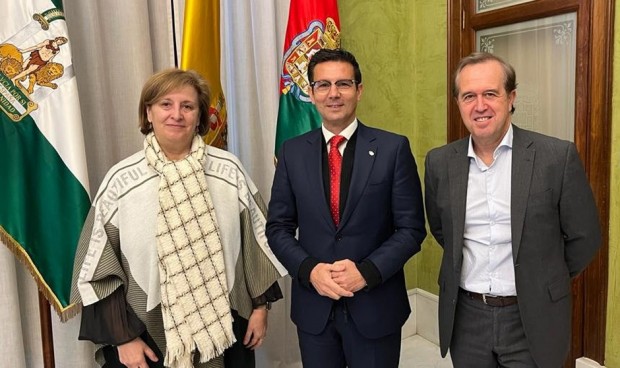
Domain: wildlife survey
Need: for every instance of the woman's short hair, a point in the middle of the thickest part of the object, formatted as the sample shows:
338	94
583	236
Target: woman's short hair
170	80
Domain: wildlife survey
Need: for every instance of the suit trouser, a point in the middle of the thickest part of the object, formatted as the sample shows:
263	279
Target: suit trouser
488	337
341	345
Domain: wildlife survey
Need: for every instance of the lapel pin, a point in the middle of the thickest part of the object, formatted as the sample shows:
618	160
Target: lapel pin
372	153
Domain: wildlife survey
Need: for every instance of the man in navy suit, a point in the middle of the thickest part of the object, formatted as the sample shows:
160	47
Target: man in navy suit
517	220
349	299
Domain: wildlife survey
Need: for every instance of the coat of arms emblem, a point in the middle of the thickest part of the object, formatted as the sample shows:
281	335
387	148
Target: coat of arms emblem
27	62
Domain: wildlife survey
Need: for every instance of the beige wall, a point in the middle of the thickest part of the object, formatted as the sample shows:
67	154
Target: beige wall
401	47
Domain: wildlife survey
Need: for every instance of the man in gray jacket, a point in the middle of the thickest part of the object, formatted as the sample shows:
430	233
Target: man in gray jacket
516	217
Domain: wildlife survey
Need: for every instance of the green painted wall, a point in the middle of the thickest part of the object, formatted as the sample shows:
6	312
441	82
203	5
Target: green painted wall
401	48
612	346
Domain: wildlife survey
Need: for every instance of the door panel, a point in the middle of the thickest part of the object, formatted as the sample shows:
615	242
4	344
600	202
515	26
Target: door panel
489	5
543	53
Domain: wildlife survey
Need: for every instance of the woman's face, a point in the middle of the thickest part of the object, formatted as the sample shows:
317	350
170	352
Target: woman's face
175	117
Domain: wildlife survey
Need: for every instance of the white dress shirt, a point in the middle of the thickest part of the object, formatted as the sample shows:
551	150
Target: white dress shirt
487	245
346	132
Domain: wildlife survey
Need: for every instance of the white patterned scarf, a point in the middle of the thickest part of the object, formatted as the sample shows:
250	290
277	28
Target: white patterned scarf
194	295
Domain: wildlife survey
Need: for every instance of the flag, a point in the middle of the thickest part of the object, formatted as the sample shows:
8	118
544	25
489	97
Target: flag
43	177
201	52
312	25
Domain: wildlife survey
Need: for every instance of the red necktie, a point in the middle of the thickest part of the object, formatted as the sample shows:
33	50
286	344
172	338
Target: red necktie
335	165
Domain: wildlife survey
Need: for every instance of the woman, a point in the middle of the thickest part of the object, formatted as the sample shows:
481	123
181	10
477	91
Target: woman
173	261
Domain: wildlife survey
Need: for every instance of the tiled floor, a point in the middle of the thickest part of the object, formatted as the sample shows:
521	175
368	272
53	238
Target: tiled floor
416	352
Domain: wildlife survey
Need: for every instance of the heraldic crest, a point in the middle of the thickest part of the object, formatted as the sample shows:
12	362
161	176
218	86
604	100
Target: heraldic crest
296	58
28	66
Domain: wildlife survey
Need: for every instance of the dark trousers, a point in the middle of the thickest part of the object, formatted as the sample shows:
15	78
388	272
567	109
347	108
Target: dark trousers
237	356
341	345
110	354
488	337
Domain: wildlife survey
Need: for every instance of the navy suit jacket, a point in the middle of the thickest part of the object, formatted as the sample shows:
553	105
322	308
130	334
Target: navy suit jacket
555	234
382	222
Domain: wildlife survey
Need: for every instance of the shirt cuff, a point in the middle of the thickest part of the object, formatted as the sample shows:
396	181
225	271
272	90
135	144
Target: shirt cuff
272	294
110	321
370	273
306	267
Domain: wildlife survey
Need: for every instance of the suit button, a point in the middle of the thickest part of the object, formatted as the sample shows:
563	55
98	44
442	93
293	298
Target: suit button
338	237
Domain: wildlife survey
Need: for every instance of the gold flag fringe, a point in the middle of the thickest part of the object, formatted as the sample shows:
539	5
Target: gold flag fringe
64	313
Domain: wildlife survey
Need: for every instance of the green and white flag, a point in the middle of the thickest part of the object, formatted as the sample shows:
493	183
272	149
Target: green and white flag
44	195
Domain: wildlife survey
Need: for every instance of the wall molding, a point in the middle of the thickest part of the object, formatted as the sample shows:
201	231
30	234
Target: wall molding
423	319
587	363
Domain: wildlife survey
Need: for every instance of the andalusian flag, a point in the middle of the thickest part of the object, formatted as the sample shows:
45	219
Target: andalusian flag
312	25
201	52
43	180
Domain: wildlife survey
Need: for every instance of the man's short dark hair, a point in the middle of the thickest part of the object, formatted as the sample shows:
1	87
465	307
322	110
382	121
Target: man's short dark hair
324	55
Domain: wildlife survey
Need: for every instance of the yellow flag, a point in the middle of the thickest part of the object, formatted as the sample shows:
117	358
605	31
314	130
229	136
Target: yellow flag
201	52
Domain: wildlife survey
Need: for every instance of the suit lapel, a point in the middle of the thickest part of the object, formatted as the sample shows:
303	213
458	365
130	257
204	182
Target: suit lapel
314	171
362	166
523	154
458	173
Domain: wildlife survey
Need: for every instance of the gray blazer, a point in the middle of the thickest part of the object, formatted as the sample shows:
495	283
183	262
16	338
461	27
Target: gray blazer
555	234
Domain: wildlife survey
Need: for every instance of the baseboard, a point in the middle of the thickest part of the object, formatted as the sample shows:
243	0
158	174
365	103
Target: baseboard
423	318
410	326
587	363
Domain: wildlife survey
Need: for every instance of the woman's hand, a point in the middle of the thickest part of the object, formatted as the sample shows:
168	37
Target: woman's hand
257	328
132	353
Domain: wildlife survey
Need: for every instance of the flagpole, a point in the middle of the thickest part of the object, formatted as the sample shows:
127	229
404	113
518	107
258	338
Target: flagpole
47	335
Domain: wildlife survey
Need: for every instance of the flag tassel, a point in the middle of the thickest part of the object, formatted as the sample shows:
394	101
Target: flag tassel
64	313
